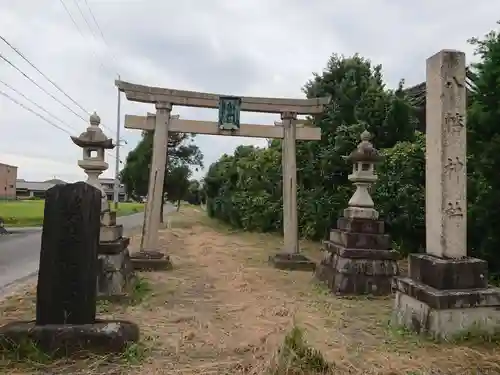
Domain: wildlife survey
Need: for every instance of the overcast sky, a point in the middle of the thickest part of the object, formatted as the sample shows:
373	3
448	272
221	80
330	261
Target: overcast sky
238	47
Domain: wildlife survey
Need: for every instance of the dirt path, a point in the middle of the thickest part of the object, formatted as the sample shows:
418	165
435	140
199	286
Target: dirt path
223	310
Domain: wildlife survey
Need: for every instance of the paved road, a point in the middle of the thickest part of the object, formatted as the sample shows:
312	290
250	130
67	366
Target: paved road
20	251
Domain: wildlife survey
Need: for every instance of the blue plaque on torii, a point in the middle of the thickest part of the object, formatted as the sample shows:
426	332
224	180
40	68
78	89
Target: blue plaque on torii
229	112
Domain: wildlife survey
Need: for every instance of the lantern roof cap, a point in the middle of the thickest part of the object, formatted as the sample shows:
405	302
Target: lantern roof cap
93	136
365	151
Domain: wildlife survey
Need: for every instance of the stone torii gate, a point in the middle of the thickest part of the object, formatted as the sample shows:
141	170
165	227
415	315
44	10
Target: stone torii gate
290	130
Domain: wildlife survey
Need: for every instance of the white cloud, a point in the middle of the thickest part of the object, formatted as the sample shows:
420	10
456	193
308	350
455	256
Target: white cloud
245	47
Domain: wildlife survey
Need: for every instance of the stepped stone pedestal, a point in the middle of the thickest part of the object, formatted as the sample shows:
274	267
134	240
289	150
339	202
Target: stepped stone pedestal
357	257
446	297
115	270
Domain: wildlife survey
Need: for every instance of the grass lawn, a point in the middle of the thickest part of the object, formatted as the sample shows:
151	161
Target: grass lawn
28	213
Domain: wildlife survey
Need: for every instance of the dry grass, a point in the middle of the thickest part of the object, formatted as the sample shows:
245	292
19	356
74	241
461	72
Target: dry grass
223	310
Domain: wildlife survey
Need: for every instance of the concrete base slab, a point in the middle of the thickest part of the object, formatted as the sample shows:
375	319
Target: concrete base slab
109	336
445	324
292	262
150	261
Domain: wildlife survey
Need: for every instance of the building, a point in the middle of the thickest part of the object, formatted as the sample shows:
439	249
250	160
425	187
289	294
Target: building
109	185
37	189
8	177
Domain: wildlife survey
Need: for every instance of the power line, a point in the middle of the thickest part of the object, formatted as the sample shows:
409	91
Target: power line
96	23
40	87
92	32
43	75
71	17
43	117
99	29
84	18
48	79
80	31
36	104
35	113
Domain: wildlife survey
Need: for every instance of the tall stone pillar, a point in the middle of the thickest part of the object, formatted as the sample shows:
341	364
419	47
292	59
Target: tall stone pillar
446	292
358	258
290	258
150	257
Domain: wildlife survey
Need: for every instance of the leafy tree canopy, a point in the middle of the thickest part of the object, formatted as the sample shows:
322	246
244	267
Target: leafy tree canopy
182	155
244	189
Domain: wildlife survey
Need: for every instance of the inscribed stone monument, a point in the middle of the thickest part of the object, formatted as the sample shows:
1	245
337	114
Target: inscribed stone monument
66	290
446	292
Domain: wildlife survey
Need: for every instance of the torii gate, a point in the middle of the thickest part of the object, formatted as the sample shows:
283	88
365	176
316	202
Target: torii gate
290	130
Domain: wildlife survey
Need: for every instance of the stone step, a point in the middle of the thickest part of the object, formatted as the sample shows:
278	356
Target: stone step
355	240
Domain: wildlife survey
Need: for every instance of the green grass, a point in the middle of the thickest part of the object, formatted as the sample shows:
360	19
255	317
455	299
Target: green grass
29	213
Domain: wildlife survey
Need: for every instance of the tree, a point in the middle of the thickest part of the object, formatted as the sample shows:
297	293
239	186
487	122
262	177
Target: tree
194	193
483	145
400	193
181	155
245	189
177	185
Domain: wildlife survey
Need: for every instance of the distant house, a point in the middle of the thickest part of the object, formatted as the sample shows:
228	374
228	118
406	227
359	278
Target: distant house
109	184
37	189
8	176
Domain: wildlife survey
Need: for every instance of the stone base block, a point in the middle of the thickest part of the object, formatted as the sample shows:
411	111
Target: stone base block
354	240
361	213
150	261
292	262
355	275
441	273
114	274
110	336
356	225
110	233
445	314
113	247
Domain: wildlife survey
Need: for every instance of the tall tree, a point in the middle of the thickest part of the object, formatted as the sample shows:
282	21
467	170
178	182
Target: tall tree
245	189
182	155
178	188
483	145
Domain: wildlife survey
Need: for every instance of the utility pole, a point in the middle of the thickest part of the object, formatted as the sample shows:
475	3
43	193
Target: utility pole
116	195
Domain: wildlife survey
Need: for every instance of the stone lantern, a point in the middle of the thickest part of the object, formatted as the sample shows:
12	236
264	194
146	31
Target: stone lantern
357	257
363	175
94	143
115	267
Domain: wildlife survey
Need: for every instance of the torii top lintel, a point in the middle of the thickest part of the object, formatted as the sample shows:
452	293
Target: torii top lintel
150	94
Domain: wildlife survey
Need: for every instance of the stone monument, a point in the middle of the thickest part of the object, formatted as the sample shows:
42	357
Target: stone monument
66	291
446	292
358	258
115	268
